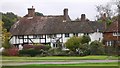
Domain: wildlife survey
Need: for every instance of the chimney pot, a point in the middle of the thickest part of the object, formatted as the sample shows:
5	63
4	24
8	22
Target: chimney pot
83	17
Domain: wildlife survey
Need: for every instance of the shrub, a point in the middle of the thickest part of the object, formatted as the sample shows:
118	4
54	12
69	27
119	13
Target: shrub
96	48
56	52
34	50
73	43
11	52
84	49
27	46
41	46
30	52
85	39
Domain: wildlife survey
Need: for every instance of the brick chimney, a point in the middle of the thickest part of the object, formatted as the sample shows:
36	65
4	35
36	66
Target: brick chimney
31	12
65	11
83	17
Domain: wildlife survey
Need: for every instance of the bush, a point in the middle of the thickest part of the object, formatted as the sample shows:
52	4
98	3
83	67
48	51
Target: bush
84	49
85	39
27	46
34	50
57	52
71	53
11	52
29	52
73	43
40	46
96	48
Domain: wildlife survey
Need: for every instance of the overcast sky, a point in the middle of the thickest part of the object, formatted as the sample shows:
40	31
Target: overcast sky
53	7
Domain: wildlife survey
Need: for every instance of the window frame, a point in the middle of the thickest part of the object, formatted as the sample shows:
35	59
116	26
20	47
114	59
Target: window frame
67	35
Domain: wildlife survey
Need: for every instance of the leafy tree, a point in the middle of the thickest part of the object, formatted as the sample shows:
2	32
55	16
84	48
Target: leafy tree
5	39
4	36
9	19
38	14
1	32
96	48
85	39
73	43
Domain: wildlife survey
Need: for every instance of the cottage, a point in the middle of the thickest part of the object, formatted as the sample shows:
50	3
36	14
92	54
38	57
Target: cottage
50	29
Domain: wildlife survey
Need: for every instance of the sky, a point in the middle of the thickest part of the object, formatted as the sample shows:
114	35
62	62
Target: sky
53	7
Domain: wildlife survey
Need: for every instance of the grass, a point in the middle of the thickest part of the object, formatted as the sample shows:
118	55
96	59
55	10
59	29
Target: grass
81	65
62	58
6	59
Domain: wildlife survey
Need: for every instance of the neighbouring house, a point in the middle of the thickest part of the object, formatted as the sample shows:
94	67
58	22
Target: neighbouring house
51	29
112	35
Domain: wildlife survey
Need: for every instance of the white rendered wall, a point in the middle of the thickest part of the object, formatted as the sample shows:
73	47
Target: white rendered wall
16	40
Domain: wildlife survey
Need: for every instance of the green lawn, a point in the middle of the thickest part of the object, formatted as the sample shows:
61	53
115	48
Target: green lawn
9	59
81	65
62	58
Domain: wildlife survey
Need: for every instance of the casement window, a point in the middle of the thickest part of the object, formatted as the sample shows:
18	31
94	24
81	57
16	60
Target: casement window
75	34
35	36
86	33
67	35
20	37
109	43
116	34
41	36
54	45
51	36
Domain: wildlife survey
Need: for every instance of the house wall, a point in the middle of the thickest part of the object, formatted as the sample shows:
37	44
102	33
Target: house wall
51	39
111	40
96	36
109	36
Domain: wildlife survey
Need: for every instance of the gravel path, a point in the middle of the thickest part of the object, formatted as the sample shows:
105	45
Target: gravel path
65	62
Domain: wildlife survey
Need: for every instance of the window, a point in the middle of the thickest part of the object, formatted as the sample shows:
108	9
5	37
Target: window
35	36
20	37
66	35
75	34
116	34
54	45
41	36
109	43
49	36
86	34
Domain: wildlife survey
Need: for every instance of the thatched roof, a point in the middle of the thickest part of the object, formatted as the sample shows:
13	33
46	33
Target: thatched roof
53	25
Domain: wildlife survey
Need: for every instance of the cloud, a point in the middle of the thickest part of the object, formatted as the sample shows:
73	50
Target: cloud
52	7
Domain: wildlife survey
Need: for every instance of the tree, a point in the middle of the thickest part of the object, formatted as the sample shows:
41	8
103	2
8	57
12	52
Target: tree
73	43
9	19
101	9
4	36
1	32
38	14
96	48
85	39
